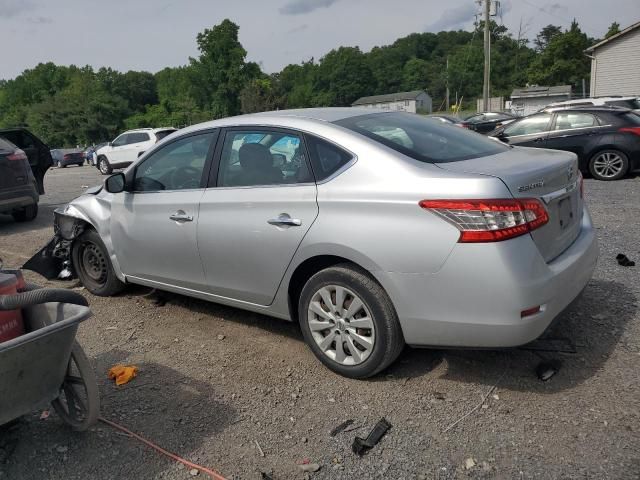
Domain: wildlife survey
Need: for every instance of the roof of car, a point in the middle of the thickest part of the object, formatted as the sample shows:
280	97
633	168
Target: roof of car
148	129
327	114
581	108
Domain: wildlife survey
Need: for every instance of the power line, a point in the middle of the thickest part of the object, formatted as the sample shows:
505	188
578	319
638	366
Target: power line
564	19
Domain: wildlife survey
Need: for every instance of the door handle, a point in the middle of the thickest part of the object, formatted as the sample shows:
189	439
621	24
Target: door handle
539	139
285	220
181	216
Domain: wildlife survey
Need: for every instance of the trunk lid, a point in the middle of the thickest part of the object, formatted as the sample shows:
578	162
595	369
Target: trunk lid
548	175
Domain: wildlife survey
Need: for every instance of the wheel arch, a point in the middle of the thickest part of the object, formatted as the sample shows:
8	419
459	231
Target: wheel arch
309	267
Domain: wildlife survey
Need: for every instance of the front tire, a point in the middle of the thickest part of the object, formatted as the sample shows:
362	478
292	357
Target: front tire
349	322
93	266
25	214
104	166
609	165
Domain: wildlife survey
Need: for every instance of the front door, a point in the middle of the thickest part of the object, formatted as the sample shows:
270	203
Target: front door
154	225
255	213
529	132
117	153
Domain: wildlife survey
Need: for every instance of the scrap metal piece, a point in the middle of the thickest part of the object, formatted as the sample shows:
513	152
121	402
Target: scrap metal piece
360	445
624	261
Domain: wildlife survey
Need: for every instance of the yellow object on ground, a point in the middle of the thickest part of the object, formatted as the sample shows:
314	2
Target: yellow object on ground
123	373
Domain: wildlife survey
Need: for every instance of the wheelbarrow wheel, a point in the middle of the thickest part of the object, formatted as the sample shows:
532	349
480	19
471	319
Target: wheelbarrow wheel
79	400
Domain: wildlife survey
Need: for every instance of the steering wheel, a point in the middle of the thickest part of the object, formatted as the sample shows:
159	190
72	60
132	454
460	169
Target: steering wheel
186	177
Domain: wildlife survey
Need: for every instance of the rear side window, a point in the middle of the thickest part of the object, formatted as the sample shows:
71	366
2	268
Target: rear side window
326	158
422	139
568	120
6	146
137	137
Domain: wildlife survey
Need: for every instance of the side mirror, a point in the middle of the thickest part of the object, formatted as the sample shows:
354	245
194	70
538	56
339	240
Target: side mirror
110	144
115	183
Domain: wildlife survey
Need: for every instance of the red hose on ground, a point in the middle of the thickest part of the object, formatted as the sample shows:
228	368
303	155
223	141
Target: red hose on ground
213	474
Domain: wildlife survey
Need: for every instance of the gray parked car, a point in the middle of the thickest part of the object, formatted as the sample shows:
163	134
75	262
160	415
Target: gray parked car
371	230
63	157
18	187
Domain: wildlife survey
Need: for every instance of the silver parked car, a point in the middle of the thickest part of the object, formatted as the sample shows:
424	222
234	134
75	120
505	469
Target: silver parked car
371	229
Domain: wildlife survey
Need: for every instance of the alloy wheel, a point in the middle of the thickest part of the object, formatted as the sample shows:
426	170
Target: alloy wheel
608	164
104	168
341	325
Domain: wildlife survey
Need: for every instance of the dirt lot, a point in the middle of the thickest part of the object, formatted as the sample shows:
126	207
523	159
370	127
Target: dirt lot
213	381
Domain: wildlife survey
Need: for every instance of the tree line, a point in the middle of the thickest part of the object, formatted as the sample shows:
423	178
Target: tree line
70	105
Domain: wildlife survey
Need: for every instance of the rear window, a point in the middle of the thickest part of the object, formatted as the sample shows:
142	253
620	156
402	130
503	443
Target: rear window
422	139
6	146
632	118
163	133
629	103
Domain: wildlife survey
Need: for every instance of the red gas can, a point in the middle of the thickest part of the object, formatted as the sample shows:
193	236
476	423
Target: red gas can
11	324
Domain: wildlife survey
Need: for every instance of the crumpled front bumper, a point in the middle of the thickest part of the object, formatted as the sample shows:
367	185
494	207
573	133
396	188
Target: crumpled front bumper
53	261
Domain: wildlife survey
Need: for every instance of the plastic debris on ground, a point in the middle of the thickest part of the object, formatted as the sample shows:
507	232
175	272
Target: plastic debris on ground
547	369
340	428
360	445
123	373
624	261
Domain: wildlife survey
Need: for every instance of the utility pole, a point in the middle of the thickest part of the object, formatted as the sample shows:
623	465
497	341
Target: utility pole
487	54
447	78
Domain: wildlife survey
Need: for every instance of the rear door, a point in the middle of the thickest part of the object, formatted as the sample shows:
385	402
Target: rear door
137	142
574	131
255	212
13	170
531	131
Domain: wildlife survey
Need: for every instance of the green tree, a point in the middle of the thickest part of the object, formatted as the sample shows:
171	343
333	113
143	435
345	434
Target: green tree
342	77
545	36
614	29
562	61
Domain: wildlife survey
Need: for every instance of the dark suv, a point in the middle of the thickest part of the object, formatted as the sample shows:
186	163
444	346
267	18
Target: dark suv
18	190
37	152
606	139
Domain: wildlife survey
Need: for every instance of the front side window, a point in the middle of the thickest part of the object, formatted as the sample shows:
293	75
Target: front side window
529	126
252	158
176	166
568	120
422	139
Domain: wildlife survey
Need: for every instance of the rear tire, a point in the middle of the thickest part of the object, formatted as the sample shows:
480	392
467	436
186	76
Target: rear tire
104	166
608	165
366	338
25	214
92	264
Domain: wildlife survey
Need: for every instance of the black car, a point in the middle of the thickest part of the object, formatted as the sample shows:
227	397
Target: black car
18	190
606	139
63	157
37	152
486	122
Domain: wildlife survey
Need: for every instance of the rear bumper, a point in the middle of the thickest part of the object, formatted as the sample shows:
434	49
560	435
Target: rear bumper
18	197
475	300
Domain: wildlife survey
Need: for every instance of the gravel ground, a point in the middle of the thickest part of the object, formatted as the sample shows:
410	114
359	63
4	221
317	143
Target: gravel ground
213	381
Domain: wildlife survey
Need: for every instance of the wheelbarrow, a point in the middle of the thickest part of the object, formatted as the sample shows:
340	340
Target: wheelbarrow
45	364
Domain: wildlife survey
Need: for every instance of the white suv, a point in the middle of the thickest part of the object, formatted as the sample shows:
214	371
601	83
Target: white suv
127	147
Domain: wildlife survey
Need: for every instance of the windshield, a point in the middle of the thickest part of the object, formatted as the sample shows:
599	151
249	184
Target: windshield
421	138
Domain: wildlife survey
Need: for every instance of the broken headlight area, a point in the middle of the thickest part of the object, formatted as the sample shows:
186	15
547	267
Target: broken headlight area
53	261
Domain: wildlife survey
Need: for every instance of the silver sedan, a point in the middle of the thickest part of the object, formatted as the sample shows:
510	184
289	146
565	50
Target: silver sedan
371	229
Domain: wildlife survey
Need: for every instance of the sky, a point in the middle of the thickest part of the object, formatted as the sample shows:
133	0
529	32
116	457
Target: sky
153	34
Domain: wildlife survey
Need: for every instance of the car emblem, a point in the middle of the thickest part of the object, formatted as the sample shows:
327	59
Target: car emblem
569	173
531	186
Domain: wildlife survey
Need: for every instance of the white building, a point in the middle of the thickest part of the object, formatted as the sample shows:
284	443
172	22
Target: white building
413	102
615	64
525	101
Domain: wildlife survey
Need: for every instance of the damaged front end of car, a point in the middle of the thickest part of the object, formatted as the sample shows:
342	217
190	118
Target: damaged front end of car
53	261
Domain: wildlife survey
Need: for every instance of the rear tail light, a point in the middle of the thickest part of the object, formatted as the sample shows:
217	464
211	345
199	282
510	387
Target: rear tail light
464	125
17	155
491	220
634	130
66	156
